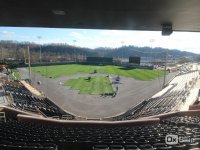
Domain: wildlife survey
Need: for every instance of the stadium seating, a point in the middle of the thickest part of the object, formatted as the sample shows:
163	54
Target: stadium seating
24	100
16	89
58	131
169	101
26	132
33	104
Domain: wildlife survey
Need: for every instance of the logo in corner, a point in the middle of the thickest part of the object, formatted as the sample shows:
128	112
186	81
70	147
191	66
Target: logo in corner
171	139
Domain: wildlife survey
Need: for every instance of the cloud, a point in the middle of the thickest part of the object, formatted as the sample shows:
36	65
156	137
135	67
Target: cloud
116	38
77	36
7	33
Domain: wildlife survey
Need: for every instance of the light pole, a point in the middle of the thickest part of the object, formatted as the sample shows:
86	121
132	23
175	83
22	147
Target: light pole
74	42
29	63
151	41
39	37
2	54
165	69
122	43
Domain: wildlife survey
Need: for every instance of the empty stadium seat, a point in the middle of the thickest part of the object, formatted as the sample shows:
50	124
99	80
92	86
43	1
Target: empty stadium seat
167	102
27	135
23	100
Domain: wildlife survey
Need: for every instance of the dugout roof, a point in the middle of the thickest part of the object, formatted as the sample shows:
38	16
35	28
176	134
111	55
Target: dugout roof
102	14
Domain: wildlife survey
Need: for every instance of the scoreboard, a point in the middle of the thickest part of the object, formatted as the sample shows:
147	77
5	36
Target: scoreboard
134	60
100	59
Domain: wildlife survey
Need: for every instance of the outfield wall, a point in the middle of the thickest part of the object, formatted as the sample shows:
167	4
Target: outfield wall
99	60
58	63
83	63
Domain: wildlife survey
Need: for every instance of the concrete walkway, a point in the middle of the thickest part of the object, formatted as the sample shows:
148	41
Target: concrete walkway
192	96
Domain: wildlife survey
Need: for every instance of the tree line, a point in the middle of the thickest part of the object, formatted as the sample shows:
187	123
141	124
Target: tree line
65	52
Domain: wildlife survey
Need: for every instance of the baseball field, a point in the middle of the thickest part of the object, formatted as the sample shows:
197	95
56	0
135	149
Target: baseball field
96	84
70	69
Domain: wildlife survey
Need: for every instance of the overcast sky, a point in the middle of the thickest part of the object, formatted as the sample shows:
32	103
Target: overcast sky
187	41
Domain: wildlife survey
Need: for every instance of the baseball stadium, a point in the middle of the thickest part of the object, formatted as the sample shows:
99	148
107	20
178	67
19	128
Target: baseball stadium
126	77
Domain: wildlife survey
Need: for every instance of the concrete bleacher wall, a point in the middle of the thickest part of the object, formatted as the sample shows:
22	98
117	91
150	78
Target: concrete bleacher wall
172	114
14	112
194	107
11	83
153	120
69	123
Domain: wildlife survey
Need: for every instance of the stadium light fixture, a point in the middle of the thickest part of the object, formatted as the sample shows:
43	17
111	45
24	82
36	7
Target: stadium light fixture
166	29
59	12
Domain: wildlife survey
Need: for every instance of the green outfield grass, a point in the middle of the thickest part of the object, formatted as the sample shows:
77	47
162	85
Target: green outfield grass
64	70
96	85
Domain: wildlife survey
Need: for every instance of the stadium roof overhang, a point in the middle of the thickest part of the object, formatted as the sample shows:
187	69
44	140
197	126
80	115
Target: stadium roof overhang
102	14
